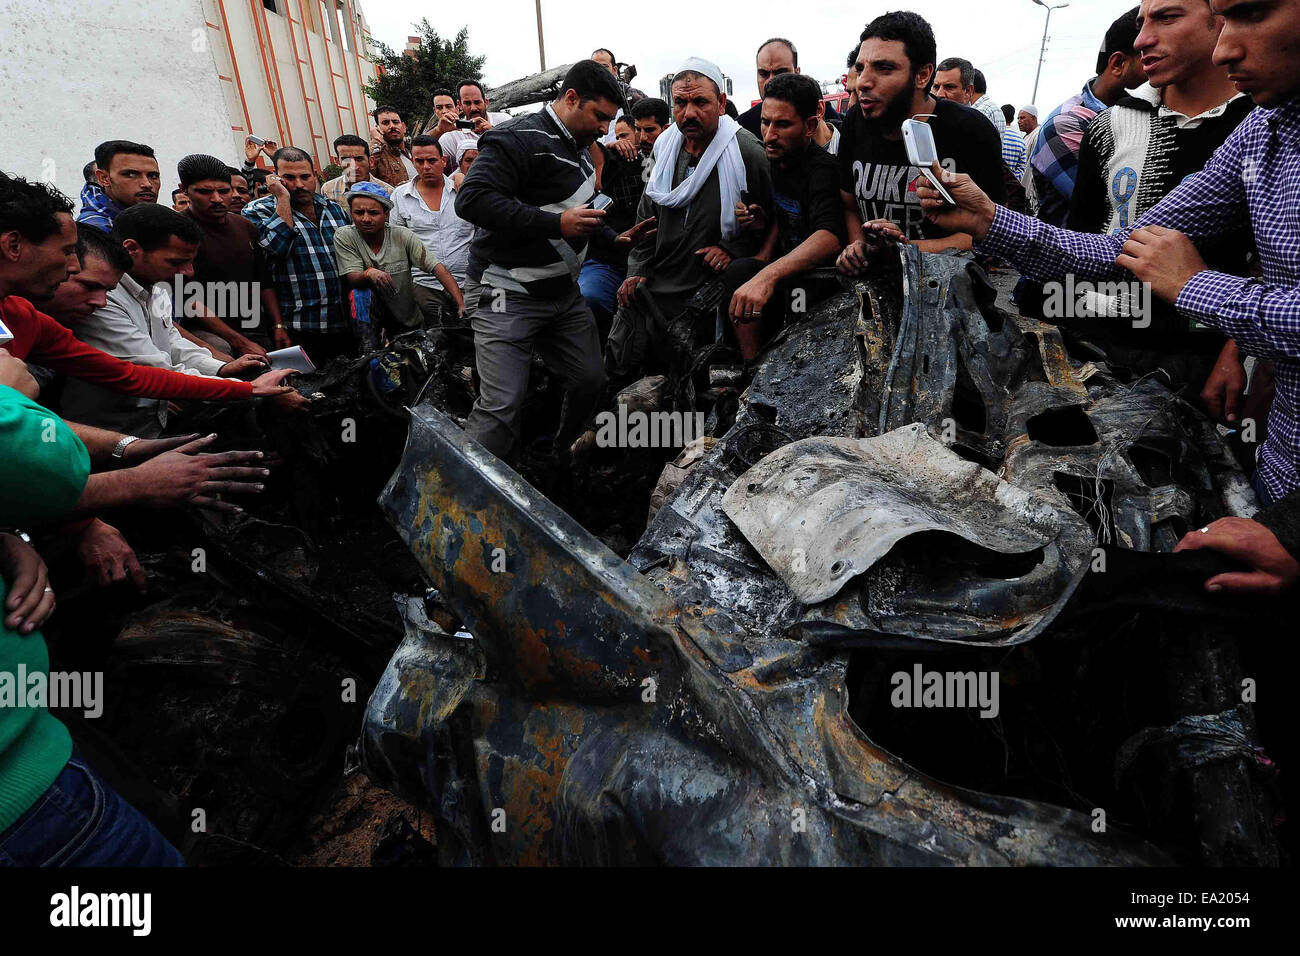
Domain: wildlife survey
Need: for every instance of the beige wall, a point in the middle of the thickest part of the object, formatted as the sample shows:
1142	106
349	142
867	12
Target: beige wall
273	87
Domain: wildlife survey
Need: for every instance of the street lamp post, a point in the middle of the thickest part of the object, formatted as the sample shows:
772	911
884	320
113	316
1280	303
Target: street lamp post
541	47
1041	53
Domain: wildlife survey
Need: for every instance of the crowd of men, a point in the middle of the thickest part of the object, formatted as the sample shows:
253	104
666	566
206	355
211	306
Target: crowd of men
579	232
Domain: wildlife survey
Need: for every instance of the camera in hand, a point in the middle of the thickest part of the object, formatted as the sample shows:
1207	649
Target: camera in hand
464	124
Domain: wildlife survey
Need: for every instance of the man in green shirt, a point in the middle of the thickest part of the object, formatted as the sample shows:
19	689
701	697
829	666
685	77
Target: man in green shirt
54	809
371	254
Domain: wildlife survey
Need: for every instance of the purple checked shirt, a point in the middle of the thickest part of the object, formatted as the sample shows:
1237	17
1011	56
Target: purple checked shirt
1255	174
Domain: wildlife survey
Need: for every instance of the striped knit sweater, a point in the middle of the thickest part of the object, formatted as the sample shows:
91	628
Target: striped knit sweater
528	172
1135	153
1132	156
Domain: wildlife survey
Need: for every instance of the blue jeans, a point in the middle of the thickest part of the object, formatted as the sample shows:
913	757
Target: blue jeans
1261	490
599	282
81	821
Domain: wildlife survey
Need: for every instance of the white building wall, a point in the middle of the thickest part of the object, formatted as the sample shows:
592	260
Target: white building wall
74	73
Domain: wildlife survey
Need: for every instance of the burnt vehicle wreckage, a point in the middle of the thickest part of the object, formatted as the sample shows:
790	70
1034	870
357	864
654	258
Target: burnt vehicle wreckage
722	695
909	480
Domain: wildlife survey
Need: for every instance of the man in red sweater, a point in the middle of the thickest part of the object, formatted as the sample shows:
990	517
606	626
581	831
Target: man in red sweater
38	262
47	341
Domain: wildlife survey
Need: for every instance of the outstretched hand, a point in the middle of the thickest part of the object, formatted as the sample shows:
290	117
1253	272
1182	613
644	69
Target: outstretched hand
642	231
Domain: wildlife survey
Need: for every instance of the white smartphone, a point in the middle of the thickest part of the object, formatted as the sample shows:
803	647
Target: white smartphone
600	201
918	138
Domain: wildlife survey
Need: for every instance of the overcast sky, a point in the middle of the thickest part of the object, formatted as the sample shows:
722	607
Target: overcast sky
1001	37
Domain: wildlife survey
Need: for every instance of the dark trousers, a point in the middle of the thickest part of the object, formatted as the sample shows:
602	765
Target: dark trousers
508	328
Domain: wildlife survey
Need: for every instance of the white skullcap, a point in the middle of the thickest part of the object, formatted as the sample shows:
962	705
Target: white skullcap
705	68
1031	110
464	148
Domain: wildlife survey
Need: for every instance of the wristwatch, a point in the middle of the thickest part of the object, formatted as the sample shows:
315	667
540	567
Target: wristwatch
119	450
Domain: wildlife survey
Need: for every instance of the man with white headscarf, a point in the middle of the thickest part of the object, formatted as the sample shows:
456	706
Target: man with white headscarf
704	165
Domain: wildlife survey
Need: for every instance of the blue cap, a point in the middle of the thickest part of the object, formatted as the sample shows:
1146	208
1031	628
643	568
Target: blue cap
369	190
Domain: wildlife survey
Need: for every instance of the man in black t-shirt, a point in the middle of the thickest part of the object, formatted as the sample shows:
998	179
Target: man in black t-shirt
809	220
895	67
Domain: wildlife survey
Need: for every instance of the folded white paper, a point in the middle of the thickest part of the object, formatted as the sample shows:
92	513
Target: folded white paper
293	357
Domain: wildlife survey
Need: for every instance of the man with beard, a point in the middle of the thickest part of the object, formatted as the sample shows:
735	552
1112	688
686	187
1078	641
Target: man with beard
704	166
474	109
878	184
1250	178
809	227
529	194
126	174
295	229
388	138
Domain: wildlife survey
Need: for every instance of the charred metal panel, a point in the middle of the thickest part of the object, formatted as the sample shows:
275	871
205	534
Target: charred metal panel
555	611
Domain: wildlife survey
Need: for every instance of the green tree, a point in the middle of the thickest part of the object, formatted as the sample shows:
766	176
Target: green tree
407	82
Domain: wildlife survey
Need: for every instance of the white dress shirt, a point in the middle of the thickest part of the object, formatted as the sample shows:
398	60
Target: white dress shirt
443	232
136	325
450	142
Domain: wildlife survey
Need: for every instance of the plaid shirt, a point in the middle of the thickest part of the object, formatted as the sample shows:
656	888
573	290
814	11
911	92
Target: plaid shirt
301	260
96	208
1252	178
992	112
1055	158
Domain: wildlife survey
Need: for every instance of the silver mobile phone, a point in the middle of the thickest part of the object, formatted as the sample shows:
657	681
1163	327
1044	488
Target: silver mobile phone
918	138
